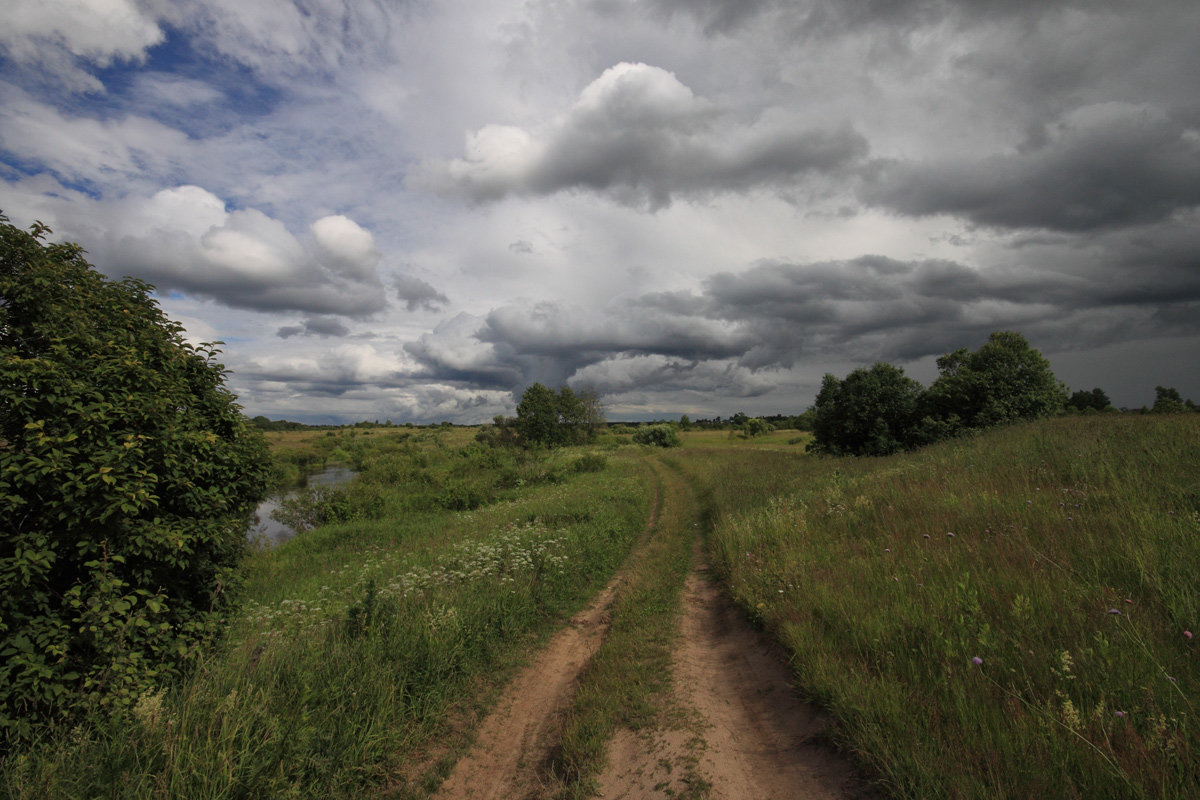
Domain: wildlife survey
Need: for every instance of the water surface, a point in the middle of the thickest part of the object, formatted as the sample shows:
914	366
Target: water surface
271	531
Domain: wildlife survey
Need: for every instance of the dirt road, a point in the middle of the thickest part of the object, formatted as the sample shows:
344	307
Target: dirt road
749	735
734	730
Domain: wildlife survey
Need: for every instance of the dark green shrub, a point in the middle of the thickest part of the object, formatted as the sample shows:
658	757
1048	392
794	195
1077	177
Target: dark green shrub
325	505
592	462
127	475
657	436
868	413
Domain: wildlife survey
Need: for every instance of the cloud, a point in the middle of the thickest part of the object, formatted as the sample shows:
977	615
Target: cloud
315	326
185	239
622	374
416	293
85	149
55	36
640	137
742	330
1099	167
454	352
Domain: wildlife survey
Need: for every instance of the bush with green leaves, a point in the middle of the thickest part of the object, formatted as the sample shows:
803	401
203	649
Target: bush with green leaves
551	419
869	413
877	411
127	474
756	426
1004	381
663	435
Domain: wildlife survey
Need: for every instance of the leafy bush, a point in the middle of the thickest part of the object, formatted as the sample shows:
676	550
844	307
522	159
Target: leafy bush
592	462
869	413
657	436
877	411
756	426
1004	381
127	474
324	505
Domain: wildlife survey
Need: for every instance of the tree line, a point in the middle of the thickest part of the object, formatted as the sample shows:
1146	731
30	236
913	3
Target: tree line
878	410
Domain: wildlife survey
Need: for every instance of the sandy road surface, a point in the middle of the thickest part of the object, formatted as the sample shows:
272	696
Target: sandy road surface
737	730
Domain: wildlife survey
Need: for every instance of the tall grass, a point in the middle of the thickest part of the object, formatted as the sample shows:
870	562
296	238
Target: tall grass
358	646
1008	616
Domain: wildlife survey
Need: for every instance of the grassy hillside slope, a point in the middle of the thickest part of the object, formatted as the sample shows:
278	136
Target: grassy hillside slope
1005	616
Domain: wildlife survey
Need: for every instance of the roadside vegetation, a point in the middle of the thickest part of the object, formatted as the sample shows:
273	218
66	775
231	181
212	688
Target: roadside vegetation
362	644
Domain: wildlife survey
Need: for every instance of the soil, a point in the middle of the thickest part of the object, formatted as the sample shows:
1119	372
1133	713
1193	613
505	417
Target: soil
517	740
745	733
737	729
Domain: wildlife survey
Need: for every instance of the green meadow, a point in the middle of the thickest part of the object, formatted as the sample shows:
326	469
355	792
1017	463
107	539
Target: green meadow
1003	616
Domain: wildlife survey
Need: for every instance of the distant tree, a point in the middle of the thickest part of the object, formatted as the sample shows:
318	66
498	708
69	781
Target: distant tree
550	419
805	420
1169	401
127	474
572	418
1003	381
1095	400
661	435
593	408
869	413
537	416
756	426
685	422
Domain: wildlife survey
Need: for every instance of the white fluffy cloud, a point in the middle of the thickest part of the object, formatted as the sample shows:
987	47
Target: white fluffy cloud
56	35
640	136
186	239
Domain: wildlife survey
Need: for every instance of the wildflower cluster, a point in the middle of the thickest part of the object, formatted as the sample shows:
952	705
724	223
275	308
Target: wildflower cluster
528	550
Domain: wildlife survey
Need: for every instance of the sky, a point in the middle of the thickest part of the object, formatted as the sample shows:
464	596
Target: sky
414	210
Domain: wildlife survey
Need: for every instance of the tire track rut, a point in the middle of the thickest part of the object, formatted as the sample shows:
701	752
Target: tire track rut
517	741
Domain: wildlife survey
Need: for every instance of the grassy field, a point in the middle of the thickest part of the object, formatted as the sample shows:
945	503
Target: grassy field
1005	616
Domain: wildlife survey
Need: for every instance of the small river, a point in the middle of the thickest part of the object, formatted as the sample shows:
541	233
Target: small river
272	532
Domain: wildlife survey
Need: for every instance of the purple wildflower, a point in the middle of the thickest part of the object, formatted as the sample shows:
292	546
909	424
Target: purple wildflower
1118	713
1187	635
976	660
1114	611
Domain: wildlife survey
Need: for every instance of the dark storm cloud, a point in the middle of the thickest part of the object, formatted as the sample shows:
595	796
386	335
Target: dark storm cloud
416	293
315	326
1106	167
517	345
824	17
777	315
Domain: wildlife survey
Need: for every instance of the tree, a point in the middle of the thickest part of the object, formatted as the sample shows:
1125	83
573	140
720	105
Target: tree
1168	400
537	416
869	413
572	425
661	435
127	474
551	419
1003	381
593	408
756	426
1095	400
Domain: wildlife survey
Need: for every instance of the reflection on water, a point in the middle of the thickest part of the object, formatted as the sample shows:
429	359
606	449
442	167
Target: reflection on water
273	532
